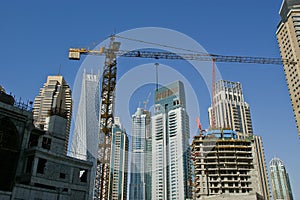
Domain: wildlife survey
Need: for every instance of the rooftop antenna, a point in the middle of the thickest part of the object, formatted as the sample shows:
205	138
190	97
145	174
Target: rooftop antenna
156	70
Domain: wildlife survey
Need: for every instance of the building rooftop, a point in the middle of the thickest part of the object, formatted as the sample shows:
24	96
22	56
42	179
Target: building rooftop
2	89
276	161
6	98
286	6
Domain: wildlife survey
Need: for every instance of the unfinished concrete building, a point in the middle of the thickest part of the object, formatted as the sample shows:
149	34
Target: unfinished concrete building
33	161
225	165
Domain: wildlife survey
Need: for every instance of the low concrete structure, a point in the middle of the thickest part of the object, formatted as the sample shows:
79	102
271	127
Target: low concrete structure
33	161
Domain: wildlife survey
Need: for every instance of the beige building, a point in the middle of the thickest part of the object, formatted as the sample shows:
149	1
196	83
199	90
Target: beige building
229	159
55	96
230	109
288	36
260	164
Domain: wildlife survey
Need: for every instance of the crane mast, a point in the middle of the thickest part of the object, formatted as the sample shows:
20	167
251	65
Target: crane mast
109	76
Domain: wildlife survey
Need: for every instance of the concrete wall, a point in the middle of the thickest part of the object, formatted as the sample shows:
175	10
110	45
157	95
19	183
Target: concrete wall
233	197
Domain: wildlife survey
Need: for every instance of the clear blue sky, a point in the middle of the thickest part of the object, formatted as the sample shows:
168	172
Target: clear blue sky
36	35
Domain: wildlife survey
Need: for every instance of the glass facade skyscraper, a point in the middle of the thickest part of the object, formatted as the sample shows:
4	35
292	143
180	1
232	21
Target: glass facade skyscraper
84	141
280	182
170	144
84	144
140	180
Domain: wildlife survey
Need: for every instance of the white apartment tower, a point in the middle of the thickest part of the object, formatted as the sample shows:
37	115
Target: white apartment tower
55	96
140	173
231	111
118	163
170	144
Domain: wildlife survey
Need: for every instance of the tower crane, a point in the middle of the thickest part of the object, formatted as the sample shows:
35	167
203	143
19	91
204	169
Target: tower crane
109	85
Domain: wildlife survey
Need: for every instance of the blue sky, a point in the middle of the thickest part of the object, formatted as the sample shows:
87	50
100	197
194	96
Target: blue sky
36	35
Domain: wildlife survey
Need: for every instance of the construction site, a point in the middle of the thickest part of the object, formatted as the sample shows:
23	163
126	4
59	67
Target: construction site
114	90
233	159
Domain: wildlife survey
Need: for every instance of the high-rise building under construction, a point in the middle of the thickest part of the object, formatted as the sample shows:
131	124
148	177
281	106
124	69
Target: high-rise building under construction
226	167
288	36
55	96
229	159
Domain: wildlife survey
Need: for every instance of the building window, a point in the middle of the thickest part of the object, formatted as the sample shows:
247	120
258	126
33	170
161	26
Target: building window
62	175
33	140
29	164
83	175
41	166
46	143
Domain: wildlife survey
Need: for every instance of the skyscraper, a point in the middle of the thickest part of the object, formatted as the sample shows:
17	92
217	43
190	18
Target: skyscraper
84	142
231	111
170	144
280	183
118	163
140	173
261	167
85	136
288	36
54	95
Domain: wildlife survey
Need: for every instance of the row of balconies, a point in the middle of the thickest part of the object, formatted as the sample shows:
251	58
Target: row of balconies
229	187
228	156
242	161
